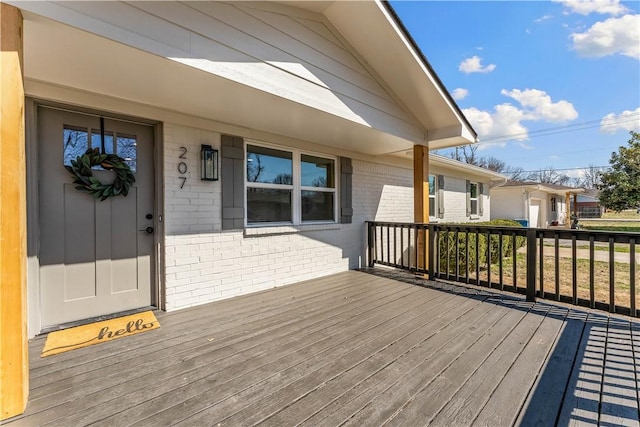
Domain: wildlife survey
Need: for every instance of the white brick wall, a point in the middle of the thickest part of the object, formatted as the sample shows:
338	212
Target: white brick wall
455	204
382	192
204	263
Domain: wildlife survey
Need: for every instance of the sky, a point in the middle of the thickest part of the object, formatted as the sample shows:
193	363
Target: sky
551	83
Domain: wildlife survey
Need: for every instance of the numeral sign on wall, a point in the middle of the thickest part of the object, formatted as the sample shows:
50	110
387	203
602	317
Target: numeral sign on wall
182	166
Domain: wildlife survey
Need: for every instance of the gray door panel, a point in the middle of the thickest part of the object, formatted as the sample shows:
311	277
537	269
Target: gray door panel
93	258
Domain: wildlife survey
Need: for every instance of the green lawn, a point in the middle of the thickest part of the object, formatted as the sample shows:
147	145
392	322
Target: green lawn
627	227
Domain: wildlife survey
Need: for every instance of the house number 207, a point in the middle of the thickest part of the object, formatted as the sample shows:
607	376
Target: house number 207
182	166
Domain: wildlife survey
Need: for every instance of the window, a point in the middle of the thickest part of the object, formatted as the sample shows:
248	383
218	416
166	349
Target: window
76	143
432	195
289	187
473	197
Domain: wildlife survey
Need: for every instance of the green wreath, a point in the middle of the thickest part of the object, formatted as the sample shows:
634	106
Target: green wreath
80	169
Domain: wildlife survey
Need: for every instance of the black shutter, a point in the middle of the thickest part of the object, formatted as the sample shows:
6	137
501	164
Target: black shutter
346	175
468	198
232	177
480	192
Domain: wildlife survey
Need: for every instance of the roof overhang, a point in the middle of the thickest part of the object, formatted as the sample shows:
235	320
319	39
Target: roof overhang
62	55
467	169
396	58
545	189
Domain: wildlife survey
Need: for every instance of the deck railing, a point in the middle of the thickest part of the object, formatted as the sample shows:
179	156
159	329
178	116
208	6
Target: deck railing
595	269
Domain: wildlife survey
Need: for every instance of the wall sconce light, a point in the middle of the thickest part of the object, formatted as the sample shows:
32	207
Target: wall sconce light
209	158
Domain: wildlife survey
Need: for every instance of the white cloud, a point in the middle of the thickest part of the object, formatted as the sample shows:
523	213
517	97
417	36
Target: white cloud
627	120
473	65
505	120
504	124
542	19
615	35
585	7
459	93
539	106
575	173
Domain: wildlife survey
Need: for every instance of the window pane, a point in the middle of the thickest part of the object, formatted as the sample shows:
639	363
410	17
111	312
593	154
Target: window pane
96	142
268	205
269	166
75	143
474	190
432	185
432	206
474	207
108	141
317	206
317	172
128	149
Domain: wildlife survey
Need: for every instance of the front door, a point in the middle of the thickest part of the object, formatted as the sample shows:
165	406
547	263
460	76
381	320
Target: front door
96	257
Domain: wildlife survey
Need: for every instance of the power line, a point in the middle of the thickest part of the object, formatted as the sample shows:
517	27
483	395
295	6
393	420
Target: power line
566	169
591	124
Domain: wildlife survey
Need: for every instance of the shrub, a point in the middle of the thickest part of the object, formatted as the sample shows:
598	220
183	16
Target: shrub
448	254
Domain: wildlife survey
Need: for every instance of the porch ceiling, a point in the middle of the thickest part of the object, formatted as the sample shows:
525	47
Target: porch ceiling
71	49
65	56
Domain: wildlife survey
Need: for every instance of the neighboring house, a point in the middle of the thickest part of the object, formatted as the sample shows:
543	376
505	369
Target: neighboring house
311	106
589	204
458	192
533	203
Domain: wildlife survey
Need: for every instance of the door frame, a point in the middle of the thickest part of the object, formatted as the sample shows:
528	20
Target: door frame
32	104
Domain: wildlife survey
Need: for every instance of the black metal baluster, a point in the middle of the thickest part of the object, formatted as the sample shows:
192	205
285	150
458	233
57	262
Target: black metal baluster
574	270
592	287
632	275
612	283
541	260
556	250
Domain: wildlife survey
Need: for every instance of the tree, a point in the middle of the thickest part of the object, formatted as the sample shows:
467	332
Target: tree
515	173
620	184
549	175
590	179
492	163
466	154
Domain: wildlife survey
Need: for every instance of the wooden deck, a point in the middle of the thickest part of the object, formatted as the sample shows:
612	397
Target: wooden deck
352	349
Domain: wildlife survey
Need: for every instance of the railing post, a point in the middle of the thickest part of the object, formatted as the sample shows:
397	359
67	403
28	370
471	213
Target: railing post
370	243
531	265
433	250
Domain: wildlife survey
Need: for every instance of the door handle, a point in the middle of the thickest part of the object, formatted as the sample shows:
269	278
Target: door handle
148	230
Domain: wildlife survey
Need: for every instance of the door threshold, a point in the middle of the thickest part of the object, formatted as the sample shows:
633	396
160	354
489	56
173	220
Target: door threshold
110	316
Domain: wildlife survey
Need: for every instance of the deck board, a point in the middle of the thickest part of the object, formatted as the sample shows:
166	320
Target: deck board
184	367
582	399
472	395
509	396
619	404
354	348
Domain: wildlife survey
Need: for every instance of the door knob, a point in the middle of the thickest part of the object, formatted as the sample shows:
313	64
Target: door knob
148	230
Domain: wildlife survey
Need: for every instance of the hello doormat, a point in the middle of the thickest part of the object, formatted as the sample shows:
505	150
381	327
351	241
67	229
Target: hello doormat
98	332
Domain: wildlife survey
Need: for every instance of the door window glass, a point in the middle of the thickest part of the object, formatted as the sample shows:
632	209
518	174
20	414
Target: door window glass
76	142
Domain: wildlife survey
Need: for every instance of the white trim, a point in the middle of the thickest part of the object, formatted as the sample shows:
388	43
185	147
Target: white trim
434	197
296	188
477	199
